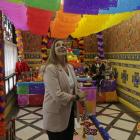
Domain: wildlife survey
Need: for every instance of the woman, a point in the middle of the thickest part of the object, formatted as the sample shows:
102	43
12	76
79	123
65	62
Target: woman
61	95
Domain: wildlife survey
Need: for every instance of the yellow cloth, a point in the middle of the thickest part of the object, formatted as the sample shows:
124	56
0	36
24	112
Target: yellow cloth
91	107
111	96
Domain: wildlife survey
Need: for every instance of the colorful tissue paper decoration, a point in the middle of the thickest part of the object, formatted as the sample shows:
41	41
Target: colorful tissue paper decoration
81	48
100	45
51	5
96	7
15	13
90	24
73	60
20	43
38	20
2	102
87	6
122	6
19	2
44	47
64	24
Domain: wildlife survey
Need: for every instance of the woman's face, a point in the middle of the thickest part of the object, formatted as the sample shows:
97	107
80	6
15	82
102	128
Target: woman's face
60	48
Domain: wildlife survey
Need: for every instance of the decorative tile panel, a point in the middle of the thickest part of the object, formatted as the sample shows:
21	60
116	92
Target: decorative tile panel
32	55
136	79
124	76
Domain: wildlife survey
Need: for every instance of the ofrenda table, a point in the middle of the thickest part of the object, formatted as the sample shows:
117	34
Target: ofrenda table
32	94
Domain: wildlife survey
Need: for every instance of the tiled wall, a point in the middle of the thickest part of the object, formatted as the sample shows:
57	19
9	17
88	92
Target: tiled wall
122	48
32	49
33	59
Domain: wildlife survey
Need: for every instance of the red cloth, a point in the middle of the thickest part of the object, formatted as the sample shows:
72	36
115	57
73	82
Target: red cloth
21	67
35	100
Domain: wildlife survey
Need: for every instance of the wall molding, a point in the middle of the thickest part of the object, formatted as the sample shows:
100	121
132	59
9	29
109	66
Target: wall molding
33	55
128	98
120	56
126	65
10	99
33	62
128	89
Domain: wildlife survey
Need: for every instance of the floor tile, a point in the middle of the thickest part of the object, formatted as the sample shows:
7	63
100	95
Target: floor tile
98	109
32	108
125	116
114	107
109	111
43	137
118	134
22	112
30	116
39	112
27	133
39	124
18	124
137	138
103	105
105	119
125	125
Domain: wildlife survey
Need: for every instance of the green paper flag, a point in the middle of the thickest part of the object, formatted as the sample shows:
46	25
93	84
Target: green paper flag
19	2
22	90
51	5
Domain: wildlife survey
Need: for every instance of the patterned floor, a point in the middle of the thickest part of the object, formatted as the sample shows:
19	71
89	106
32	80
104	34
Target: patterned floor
119	126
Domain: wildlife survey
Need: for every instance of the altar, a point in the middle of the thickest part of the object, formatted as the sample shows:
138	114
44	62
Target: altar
32	94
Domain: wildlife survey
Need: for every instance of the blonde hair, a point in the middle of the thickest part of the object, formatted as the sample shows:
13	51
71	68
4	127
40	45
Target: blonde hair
53	57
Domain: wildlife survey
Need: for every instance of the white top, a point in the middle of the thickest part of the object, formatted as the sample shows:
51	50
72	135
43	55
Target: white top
71	82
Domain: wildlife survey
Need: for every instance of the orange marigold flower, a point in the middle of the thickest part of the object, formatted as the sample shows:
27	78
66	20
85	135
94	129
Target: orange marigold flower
43	46
2	123
2	104
1	93
1	83
1	64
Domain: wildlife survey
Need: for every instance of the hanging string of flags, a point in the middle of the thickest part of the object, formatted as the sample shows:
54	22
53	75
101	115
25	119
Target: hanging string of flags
78	18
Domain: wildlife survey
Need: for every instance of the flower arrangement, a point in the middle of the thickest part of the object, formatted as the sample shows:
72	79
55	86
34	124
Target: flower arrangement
44	47
100	45
2	102
20	43
81	48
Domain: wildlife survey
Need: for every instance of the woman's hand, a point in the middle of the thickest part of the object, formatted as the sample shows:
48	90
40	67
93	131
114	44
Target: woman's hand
84	114
83	95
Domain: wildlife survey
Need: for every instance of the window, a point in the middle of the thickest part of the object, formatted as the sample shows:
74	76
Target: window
10	54
7	29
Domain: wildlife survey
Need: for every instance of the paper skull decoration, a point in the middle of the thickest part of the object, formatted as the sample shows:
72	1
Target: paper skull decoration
19	58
